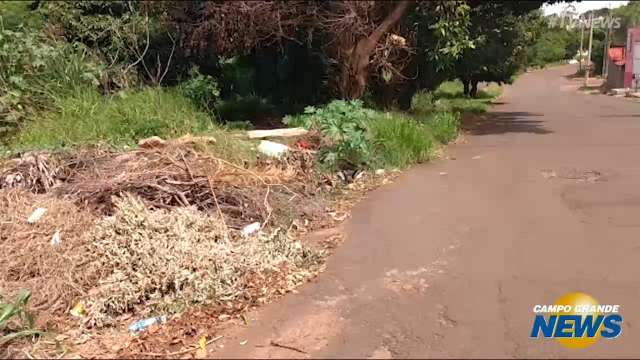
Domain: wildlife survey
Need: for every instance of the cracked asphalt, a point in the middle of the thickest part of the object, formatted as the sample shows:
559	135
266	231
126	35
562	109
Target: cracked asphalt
542	199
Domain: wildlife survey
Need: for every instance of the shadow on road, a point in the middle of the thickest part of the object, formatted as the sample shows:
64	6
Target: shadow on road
505	122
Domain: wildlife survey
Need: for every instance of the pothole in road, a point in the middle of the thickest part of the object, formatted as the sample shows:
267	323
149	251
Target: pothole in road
577	175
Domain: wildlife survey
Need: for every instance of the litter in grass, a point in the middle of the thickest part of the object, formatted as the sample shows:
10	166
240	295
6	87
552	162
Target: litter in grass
141	325
55	239
36	215
250	229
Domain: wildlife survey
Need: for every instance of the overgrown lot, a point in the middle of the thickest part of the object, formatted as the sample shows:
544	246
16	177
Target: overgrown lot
138	157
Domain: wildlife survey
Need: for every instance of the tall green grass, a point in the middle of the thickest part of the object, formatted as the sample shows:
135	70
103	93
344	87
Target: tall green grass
444	126
86	117
399	140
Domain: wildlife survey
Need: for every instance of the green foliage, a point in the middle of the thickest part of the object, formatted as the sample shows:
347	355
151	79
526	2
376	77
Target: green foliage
201	89
549	44
399	140
364	138
87	117
128	35
629	15
35	71
15	15
423	102
444	126
15	320
344	123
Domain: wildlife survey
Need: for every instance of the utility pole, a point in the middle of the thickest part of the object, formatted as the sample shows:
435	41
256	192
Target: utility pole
605	57
586	73
581	41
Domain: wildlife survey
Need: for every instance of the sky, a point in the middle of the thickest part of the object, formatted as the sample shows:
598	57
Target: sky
581	6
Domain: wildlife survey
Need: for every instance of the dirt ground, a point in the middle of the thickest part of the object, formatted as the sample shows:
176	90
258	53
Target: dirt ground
541	199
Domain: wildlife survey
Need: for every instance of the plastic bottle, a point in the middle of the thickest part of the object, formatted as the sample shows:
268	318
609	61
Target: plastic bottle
145	323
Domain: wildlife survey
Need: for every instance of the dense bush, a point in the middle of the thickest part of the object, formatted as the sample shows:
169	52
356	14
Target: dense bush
201	89
34	71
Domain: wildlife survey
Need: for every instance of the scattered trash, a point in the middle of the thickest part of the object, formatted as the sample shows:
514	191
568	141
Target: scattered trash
36	215
289	132
152	142
339	218
293	348
273	149
476	157
548	174
55	239
380	171
201	352
78	310
442	173
145	323
244	342
250	229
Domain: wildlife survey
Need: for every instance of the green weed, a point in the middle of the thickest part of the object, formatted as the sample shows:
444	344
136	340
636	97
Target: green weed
400	140
15	320
444	126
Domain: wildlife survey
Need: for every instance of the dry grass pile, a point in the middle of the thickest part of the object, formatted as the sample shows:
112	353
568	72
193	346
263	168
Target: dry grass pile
169	259
153	229
54	274
177	175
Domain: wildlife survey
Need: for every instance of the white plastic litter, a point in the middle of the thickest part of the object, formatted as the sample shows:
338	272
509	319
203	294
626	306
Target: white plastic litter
250	229
36	215
55	239
271	148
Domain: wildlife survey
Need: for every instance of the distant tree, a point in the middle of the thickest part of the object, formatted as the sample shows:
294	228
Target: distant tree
500	41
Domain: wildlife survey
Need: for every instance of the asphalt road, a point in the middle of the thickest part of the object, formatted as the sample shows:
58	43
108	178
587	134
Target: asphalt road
543	199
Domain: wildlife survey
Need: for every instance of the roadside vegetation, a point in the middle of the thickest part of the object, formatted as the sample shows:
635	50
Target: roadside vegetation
132	118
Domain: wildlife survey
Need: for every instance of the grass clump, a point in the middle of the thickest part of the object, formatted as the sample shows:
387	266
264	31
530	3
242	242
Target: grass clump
400	140
444	126
199	263
87	117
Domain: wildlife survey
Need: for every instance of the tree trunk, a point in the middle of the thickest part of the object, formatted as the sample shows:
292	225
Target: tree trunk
465	87
474	88
355	76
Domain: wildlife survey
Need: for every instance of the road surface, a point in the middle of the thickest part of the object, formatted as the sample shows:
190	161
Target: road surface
542	200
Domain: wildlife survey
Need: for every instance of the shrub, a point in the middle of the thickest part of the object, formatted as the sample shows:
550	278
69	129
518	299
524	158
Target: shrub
201	89
344	124
423	102
34	72
400	140
87	117
444	126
